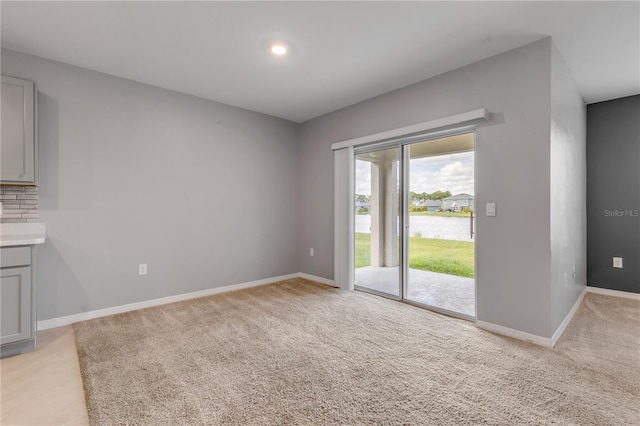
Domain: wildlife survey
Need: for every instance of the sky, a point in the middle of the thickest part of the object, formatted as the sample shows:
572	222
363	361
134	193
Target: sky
451	172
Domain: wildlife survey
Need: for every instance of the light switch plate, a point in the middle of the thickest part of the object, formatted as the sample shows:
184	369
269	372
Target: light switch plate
491	209
142	269
617	262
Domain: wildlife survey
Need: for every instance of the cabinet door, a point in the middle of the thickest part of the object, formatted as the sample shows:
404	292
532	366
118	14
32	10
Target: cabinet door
15	312
18	131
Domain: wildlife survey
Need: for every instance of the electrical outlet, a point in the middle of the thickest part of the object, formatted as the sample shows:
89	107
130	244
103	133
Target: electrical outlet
311	252
566	279
617	262
142	269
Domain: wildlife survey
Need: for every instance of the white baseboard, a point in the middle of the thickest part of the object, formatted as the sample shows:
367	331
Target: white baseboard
615	293
84	316
568	318
516	334
317	279
534	338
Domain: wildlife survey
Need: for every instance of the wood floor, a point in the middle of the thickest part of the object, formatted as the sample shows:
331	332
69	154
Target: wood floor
44	387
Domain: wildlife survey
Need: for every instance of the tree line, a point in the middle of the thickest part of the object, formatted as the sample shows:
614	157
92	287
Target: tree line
414	197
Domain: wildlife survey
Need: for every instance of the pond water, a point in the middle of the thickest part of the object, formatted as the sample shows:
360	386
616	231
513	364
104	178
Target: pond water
446	228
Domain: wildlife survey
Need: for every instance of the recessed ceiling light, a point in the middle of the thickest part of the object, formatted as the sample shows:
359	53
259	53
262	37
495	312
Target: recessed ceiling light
278	48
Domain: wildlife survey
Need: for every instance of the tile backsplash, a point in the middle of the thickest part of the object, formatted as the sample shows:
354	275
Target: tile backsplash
19	204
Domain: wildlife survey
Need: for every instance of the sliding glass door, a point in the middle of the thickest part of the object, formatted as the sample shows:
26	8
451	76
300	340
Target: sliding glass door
414	222
440	216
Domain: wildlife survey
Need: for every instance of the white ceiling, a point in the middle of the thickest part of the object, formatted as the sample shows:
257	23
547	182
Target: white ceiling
342	52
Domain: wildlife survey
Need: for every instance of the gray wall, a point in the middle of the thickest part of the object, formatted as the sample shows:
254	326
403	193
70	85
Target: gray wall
613	200
512	165
204	193
568	191
210	195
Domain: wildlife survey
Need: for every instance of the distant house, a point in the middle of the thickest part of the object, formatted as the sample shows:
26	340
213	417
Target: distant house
433	205
458	202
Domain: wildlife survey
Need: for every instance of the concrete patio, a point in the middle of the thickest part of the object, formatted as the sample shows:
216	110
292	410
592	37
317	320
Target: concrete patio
450	292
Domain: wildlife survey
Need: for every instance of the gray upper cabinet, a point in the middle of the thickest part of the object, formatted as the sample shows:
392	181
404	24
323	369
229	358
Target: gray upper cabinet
18	144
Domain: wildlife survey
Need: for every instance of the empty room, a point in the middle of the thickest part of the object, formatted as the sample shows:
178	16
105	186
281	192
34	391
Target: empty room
320	213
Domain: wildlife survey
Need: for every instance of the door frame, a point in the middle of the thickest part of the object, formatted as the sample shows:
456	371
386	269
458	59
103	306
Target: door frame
402	143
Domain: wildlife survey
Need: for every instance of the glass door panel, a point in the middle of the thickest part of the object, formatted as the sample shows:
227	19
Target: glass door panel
440	265
377	221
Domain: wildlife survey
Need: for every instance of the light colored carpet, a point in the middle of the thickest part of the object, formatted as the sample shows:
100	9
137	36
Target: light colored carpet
299	353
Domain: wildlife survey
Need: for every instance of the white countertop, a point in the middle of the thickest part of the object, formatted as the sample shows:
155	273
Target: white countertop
22	234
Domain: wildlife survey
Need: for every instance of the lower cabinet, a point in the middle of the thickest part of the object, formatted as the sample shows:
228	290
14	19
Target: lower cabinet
17	315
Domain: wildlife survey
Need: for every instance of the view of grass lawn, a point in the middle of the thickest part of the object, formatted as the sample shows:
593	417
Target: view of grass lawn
428	254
